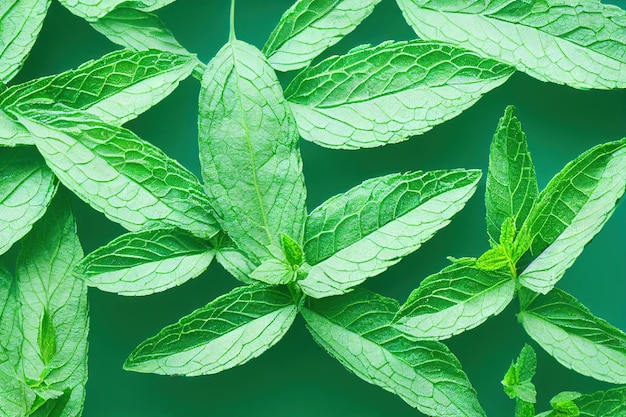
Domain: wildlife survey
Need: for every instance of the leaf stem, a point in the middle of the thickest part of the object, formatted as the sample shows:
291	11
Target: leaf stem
232	21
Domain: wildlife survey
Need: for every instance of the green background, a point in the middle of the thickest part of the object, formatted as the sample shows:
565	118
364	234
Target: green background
296	377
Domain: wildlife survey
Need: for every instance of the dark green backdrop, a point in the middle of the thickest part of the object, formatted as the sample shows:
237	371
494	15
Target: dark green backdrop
296	377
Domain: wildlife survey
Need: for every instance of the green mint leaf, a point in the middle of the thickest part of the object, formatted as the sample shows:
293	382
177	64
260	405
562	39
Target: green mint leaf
361	233
273	271
527	363
249	151
581	43
524	409
20	23
131	181
517	381
115	88
26	188
569	332
12	133
146	262
511	180
458	298
292	250
603	403
16	397
54	306
311	26
356	330
233	260
494	259
53	407
229	331
90	10
385	94
563	404
569	212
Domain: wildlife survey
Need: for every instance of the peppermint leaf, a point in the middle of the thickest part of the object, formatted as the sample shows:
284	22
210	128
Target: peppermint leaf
458	298
146	262
361	233
273	272
576	338
311	26
249	152
131	181
356	330
26	189
603	403
569	212
92	10
232	259
20	23
229	331
517	381
580	43
385	94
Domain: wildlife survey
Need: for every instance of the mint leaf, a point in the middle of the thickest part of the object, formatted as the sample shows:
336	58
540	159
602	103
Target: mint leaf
26	188
385	94
249	152
273	271
576	338
356	329
229	331
92	10
458	298
146	262
603	403
517	381
54	307
234	261
511	180
581	43
131	181
311	26
12	133
20	23
361	233
569	212
292	250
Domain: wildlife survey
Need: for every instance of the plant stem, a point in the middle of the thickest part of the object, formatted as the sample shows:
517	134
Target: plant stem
232	21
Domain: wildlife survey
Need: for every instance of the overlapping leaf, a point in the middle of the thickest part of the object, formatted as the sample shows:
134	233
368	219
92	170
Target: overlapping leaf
92	10
249	152
575	337
603	403
581	43
362	232
311	26
146	262
458	298
229	331
384	94
356	329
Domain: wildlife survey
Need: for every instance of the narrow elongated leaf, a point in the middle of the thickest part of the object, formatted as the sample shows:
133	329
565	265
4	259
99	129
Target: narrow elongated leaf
146	262
92	10
581	43
249	151
311	26
603	403
137	30
384	94
229	331
115	88
131	181
20	23
569	212
356	330
54	306
511	180
576	338
361	233
458	298
26	188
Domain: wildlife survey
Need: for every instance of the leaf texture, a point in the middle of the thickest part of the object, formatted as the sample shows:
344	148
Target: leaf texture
359	234
384	94
92	10
603	403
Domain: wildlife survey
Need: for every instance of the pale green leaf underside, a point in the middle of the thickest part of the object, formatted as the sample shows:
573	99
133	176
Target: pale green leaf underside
131	181
26	189
91	10
10	322
575	337
511	179
20	23
581	43
361	233
11	133
311	26
229	331
249	151
457	299
571	211
273	271
115	88
137	30
146	262
603	403
16	397
387	93
234	261
356	330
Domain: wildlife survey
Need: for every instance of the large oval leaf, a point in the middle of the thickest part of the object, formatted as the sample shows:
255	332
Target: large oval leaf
92	10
